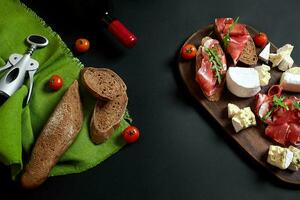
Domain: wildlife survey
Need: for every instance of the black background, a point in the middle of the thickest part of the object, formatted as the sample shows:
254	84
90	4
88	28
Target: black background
182	152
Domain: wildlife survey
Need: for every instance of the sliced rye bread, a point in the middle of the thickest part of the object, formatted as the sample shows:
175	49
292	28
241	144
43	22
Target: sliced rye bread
107	117
57	135
102	83
249	56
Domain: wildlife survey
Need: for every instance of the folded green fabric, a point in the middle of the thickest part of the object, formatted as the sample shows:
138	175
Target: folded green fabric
19	126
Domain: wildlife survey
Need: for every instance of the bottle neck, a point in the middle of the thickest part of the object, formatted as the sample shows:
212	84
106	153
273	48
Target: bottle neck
107	19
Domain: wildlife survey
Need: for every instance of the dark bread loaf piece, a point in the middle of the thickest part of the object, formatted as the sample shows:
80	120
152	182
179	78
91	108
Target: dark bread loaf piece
107	117
249	56
57	135
102	83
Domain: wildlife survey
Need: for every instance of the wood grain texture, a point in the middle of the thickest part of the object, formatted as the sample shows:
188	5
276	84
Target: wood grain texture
251	140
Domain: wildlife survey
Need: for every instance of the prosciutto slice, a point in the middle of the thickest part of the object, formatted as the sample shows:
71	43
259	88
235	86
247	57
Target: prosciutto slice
205	74
283	125
238	36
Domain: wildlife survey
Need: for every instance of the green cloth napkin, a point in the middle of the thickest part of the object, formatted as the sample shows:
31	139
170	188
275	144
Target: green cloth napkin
19	126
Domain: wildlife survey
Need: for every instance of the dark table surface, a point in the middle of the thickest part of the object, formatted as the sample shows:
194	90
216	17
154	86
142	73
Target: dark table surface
182	152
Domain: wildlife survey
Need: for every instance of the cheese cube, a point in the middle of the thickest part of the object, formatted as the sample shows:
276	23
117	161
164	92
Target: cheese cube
265	53
285	50
243	119
295	164
279	157
264	74
232	110
275	59
286	63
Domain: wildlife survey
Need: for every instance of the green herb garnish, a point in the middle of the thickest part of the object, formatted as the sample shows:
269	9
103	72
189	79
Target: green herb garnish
296	104
277	102
217	64
226	38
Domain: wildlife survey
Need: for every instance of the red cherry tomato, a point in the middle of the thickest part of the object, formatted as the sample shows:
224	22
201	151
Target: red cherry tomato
188	51
260	39
55	82
82	45
131	134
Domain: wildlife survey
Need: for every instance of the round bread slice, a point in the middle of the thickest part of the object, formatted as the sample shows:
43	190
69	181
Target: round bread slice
103	83
107	117
249	56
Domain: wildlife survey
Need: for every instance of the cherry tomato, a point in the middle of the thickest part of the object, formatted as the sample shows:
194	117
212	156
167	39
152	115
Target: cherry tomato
82	45
260	39
131	134
55	82
188	51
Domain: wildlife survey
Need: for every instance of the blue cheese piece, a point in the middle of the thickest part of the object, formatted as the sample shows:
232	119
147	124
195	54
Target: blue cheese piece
275	59
286	63
243	119
264	74
285	50
265	53
295	164
232	110
279	157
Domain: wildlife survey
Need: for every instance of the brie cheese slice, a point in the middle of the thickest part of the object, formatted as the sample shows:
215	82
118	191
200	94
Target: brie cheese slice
265	53
279	157
290	80
243	82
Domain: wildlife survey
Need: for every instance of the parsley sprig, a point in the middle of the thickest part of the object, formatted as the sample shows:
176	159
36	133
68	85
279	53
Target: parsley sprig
226	38
278	102
296	105
217	64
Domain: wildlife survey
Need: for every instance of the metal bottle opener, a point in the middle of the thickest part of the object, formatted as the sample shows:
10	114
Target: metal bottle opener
18	65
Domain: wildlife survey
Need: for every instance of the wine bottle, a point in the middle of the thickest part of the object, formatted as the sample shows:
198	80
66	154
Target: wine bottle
88	12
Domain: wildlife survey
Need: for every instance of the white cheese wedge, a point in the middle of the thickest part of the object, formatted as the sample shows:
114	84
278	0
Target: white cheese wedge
232	110
286	63
264	74
265	53
275	59
279	157
295	164
243	119
285	50
290	80
243	82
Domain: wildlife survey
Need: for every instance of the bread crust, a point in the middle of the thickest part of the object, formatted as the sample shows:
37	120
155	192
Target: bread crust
248	55
106	118
102	83
57	135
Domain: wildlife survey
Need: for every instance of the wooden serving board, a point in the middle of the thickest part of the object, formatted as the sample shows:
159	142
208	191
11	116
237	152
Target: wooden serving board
251	140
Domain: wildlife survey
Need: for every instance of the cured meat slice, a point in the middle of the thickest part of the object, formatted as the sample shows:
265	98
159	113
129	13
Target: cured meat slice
278	132
206	75
294	134
283	124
